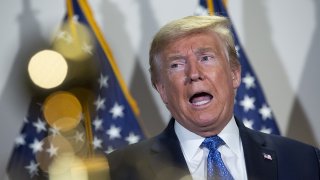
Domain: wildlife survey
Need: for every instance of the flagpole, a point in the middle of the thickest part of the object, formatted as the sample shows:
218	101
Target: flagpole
210	7
88	128
86	112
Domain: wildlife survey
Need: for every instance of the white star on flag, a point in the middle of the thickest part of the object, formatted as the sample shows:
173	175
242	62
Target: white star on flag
248	103
79	136
40	126
32	168
20	140
113	132
61	35
75	18
65	36
53	151
99	103
87	48
68	38
248	80
97	123
109	150
132	138
36	146
116	111
54	130
97	143
103	81
266	130
265	112
248	123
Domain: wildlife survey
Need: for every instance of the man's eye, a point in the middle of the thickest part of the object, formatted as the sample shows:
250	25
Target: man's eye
173	66
176	65
206	58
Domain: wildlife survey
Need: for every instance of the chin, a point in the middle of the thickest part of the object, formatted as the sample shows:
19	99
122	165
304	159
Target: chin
209	128
204	122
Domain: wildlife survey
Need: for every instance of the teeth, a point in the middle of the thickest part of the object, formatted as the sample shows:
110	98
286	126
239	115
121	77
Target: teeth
199	103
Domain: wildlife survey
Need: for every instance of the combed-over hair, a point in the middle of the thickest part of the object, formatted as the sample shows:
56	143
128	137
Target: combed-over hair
189	25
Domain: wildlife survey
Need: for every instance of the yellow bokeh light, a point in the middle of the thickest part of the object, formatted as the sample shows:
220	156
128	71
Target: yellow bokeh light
47	69
71	167
62	110
68	167
97	167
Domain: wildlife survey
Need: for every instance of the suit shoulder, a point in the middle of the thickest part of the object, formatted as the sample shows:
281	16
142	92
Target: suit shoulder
131	162
278	141
133	149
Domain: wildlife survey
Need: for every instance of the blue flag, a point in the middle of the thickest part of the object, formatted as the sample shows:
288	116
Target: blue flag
251	105
113	120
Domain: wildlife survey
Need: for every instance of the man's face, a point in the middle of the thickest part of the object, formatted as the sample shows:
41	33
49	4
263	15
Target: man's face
197	83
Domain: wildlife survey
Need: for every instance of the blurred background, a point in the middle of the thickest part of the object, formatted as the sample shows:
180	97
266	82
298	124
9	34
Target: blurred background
281	39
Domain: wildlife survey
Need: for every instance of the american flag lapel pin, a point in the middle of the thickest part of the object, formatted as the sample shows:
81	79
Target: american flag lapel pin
267	156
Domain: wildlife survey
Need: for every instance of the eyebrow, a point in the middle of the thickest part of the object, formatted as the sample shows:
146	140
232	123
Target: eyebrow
175	57
204	50
198	51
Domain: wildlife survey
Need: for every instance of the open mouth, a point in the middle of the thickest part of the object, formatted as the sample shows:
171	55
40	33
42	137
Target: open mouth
201	98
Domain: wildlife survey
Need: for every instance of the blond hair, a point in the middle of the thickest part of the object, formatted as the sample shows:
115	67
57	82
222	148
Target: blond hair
187	26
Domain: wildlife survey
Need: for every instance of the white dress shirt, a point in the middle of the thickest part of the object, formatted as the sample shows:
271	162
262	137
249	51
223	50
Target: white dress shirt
196	158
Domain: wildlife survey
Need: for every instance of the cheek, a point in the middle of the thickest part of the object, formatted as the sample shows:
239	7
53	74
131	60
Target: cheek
216	75
175	79
220	80
174	88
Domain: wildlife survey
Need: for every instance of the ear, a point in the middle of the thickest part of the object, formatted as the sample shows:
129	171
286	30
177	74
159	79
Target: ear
162	91
236	77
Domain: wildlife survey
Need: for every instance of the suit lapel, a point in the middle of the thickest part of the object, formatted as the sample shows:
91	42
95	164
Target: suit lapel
166	159
261	161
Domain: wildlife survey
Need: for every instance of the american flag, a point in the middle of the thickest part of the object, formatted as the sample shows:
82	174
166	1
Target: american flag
114	121
251	105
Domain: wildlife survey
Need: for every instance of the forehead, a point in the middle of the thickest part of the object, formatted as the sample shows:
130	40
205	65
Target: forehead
196	42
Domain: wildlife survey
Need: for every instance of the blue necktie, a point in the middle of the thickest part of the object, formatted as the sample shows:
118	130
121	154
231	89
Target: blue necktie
215	166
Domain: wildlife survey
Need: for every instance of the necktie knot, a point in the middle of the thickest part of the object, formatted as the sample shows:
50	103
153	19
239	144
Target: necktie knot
212	143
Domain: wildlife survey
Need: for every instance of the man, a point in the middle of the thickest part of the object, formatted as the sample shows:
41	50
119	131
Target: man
194	67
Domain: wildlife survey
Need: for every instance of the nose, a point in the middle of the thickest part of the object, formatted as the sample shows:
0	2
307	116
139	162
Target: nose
194	72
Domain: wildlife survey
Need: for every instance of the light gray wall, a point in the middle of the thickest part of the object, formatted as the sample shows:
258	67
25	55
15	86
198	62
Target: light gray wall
281	39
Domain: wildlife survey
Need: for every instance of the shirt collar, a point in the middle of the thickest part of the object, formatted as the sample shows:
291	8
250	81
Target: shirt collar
190	142
230	135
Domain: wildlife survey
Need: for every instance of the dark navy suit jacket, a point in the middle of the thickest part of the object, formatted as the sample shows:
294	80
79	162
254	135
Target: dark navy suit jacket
266	156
